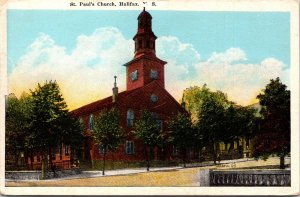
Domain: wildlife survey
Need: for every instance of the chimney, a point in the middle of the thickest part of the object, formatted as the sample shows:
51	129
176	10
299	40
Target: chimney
115	91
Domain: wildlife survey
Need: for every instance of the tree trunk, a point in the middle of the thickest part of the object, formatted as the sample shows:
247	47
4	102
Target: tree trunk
184	157
199	154
44	163
31	159
52	167
104	162
147	158
16	160
72	155
282	165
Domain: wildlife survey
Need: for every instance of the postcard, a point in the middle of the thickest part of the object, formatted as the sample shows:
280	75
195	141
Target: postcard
149	97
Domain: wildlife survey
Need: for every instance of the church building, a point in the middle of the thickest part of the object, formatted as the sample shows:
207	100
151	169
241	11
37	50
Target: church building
145	90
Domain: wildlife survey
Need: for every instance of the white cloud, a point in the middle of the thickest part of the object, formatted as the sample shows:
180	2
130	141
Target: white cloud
241	81
229	56
227	71
86	73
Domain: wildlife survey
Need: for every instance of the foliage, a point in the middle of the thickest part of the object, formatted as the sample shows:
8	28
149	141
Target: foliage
182	133
148	132
40	121
216	118
73	135
107	131
146	129
48	115
17	124
275	122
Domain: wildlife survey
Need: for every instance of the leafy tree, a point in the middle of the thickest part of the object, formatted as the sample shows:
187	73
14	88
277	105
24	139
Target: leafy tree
107	131
48	125
216	118
193	99
40	122
73	136
275	129
17	126
211	122
182	133
148	132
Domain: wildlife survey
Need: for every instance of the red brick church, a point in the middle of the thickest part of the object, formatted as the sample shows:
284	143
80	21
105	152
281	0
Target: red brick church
145	89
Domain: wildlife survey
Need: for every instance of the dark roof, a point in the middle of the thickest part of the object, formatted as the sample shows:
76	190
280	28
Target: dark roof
143	56
107	102
144	13
97	105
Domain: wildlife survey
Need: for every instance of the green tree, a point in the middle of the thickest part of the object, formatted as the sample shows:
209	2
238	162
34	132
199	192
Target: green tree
107	132
211	122
73	135
49	112
182	133
275	126
17	126
216	118
147	130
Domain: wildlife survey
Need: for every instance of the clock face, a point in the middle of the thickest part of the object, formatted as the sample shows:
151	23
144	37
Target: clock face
134	75
153	74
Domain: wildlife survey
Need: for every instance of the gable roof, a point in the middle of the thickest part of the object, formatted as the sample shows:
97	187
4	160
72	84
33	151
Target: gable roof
122	98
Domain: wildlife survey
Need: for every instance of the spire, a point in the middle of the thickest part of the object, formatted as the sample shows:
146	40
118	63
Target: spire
144	38
115	84
115	91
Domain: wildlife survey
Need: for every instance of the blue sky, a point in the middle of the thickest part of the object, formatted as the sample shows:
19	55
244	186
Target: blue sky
233	39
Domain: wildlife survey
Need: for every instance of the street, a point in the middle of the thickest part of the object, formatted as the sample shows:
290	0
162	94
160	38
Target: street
139	177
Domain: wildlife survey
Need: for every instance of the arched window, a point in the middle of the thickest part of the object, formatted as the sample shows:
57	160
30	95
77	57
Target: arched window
129	148
159	121
91	122
130	117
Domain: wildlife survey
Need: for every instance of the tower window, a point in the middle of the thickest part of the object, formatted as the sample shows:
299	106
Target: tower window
153	74
148	44
130	117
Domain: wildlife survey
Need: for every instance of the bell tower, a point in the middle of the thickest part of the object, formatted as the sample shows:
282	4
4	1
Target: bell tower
144	39
145	66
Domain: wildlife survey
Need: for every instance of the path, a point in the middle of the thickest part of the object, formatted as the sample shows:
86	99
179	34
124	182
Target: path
169	176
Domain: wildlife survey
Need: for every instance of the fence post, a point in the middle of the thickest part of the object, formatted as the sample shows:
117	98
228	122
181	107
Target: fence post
205	178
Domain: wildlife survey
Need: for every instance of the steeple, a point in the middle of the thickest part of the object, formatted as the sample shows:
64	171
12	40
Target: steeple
144	38
145	66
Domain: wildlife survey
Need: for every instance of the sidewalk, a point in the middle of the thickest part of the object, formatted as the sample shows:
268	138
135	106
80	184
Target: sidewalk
93	174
